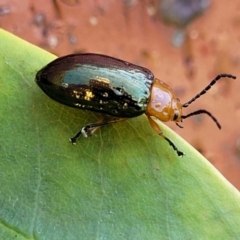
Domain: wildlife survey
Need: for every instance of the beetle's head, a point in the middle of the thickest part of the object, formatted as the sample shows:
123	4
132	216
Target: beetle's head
163	104
166	107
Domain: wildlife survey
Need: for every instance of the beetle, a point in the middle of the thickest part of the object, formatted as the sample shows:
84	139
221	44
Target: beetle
116	88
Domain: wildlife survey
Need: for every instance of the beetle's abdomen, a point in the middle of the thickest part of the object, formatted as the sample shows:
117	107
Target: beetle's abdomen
98	83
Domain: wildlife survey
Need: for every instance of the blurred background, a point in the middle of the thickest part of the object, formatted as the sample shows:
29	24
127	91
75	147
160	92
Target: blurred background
185	43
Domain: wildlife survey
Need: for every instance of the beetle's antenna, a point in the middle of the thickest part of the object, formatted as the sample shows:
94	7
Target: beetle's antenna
203	111
218	77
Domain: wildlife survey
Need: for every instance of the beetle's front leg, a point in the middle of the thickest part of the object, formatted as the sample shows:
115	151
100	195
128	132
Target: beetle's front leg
155	126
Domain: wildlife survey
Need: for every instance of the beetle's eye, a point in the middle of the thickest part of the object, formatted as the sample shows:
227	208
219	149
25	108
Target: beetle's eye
175	117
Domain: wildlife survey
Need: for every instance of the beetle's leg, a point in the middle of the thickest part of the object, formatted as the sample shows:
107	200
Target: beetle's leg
155	126
90	128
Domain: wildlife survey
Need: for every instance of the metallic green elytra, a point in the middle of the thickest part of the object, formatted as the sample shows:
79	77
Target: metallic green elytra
98	83
116	88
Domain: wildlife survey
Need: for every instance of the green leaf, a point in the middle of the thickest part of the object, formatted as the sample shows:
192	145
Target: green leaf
125	182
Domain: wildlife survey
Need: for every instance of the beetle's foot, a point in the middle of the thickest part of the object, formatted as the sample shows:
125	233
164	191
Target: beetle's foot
85	131
179	153
74	139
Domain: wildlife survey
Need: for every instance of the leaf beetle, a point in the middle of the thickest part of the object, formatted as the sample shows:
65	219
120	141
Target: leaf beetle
115	88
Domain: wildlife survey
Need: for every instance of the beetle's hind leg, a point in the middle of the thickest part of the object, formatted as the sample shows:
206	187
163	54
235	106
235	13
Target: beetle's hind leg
155	126
90	128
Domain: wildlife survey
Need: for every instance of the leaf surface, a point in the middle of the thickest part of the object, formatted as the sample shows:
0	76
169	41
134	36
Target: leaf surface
125	182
